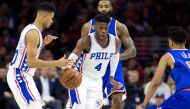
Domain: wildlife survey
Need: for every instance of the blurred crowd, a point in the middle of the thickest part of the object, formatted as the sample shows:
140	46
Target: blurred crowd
147	19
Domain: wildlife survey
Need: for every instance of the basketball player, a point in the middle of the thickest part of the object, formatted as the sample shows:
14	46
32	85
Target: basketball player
101	48
25	61
119	30
177	62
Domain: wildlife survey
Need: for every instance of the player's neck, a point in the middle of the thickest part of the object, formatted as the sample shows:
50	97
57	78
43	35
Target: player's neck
103	43
38	25
179	47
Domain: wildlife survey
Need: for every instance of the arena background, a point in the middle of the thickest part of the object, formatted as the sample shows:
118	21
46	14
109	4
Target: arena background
147	21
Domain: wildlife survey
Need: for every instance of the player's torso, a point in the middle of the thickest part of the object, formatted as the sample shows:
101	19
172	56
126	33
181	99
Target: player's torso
20	58
111	30
181	71
96	60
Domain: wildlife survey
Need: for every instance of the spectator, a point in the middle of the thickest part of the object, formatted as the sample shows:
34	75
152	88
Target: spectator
135	93
46	88
162	89
6	98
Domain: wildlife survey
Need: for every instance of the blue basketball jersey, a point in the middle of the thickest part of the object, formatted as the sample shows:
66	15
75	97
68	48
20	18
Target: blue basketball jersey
181	71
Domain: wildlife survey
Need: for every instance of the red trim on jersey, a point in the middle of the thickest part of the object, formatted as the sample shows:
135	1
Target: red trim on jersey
83	62
78	96
116	91
22	58
28	70
70	104
16	82
101	107
27	86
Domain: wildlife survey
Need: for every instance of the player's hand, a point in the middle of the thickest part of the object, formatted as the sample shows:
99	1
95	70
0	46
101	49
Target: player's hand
48	39
62	62
117	85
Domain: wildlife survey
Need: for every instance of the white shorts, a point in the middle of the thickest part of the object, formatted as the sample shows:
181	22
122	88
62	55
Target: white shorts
88	95
23	88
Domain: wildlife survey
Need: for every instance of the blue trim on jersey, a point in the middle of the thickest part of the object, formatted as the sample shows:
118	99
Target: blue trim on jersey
23	86
72	92
79	63
112	27
24	65
93	23
73	96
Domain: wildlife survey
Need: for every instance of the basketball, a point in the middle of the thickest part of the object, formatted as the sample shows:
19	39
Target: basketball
70	78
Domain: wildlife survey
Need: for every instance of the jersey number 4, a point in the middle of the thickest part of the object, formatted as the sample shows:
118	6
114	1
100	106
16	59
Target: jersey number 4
98	67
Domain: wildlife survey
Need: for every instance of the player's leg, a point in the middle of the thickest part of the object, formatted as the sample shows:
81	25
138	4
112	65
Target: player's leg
24	89
116	97
94	95
117	102
77	97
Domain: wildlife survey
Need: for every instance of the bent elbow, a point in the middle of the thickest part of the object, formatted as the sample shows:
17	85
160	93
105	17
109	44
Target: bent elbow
134	51
30	63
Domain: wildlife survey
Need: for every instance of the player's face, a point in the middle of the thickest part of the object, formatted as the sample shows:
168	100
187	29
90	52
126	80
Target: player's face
48	20
104	6
101	29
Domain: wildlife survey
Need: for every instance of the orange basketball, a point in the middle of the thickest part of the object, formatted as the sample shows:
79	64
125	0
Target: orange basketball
70	78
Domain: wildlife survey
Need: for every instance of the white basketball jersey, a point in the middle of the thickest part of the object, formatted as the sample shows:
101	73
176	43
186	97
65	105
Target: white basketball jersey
96	61
20	59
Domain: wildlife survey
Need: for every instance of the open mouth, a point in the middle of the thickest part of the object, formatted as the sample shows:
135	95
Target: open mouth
103	36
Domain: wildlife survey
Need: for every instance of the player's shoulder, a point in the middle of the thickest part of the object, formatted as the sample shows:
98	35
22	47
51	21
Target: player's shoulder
166	58
120	25
85	29
32	32
118	41
86	25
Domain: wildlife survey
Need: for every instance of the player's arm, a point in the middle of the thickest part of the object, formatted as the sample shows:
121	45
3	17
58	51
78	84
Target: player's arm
123	33
82	44
85	30
164	62
113	64
32	41
48	39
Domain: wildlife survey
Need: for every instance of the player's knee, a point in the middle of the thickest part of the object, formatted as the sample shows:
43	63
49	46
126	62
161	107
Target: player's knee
117	101
116	97
35	105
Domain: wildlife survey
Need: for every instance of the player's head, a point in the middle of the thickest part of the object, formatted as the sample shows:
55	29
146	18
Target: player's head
105	6
46	13
101	26
177	36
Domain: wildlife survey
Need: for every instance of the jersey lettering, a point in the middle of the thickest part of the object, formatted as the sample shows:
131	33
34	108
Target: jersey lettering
101	56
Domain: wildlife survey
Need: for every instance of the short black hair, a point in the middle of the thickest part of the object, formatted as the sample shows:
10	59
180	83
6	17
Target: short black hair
46	6
102	17
177	34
